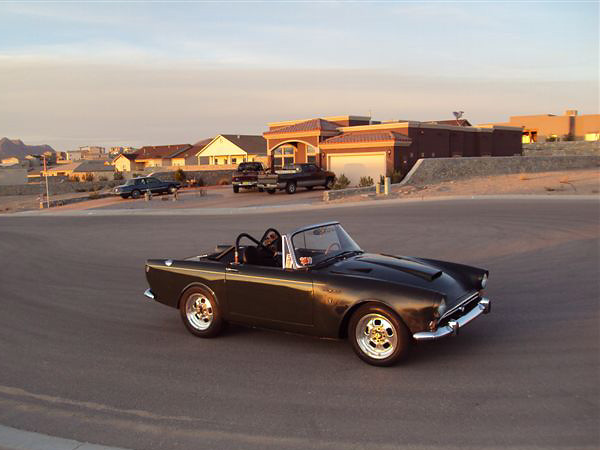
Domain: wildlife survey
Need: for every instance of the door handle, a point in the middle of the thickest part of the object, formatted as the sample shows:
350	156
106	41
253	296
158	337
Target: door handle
231	269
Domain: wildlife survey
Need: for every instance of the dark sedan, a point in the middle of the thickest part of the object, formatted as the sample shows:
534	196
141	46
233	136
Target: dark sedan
135	187
318	281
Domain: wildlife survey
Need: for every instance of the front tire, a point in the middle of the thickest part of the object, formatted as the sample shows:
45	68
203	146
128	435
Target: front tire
124	195
378	336
136	194
200	312
236	189
261	190
290	188
271	191
329	183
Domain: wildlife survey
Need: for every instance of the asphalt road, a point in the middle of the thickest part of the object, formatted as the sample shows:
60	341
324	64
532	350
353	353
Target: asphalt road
83	355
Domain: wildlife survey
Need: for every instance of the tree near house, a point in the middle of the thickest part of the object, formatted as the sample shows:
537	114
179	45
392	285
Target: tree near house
180	176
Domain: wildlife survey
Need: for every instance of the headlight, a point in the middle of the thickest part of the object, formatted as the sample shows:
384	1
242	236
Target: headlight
484	280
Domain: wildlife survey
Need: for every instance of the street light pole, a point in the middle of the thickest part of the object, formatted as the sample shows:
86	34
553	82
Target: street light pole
47	190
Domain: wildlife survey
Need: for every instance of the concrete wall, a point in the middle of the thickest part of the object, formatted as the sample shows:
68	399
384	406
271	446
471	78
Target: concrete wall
561	148
434	170
13	176
208	177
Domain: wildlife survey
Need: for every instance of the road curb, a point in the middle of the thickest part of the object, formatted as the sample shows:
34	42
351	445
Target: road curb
288	208
14	439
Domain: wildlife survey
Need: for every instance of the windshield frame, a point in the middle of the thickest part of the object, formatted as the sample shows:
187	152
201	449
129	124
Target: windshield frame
289	240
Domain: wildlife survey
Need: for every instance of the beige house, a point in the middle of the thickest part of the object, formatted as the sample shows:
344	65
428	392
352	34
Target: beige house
126	162
233	149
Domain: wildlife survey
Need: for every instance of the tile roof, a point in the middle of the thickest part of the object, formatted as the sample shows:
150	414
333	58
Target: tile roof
459	122
94	166
129	156
251	144
309	125
161	151
194	149
375	136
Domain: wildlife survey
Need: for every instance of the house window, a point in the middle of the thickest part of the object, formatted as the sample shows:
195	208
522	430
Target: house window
233	160
311	154
283	156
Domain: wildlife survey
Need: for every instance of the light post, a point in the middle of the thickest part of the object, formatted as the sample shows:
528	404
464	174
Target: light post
47	190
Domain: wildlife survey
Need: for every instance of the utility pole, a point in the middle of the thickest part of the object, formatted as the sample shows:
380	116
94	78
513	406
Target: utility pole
47	190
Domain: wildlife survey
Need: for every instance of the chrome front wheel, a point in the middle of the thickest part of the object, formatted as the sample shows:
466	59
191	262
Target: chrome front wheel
378	336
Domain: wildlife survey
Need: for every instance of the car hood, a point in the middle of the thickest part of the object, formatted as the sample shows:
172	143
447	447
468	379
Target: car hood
406	271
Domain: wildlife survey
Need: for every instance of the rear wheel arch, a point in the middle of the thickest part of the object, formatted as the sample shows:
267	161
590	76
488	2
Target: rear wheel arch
196	284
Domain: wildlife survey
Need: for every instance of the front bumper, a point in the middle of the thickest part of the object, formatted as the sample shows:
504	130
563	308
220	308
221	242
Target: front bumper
483	307
244	183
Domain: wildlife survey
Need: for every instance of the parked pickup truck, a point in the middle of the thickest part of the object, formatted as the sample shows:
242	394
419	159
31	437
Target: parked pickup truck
246	176
135	187
295	176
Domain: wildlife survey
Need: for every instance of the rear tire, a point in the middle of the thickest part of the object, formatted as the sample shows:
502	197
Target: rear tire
200	312
290	188
236	189
271	191
329	183
136	194
378	336
261	190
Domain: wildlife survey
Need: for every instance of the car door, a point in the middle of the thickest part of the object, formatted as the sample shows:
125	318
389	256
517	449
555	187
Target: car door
269	295
155	185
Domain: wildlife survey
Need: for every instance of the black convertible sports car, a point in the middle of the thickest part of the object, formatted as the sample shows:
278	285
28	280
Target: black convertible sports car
318	281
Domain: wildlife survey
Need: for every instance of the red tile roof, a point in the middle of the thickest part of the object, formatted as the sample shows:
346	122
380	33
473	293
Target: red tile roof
309	125
161	151
375	136
191	152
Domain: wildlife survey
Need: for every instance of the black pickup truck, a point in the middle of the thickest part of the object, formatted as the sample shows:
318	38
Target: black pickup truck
297	175
135	187
246	176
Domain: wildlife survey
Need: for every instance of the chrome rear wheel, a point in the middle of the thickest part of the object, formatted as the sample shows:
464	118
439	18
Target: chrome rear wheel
199	311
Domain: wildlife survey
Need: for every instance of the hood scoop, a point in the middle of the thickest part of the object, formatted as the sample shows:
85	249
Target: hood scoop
411	267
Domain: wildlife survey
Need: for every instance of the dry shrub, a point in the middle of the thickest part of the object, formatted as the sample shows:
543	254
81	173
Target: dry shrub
565	180
524	177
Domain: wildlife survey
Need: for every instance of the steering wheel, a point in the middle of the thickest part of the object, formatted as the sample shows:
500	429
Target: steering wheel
331	246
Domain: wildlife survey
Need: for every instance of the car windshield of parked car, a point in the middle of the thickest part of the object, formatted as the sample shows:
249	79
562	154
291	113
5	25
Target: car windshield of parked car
316	245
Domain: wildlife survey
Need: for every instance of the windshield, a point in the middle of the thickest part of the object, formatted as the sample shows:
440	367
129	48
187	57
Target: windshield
315	245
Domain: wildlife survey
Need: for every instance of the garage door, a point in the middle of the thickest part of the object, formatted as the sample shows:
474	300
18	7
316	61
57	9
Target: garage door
358	165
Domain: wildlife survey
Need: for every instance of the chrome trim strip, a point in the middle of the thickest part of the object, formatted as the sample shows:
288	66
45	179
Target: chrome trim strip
483	307
459	305
148	293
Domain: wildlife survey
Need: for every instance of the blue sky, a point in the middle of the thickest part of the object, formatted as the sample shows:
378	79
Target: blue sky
133	73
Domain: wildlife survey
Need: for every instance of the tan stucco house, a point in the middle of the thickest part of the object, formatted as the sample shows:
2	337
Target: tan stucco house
233	149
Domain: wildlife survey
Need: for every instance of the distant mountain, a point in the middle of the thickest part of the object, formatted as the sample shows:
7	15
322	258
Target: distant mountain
16	147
